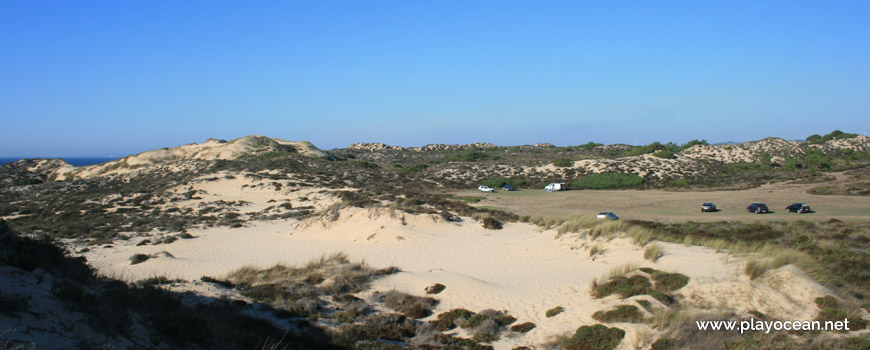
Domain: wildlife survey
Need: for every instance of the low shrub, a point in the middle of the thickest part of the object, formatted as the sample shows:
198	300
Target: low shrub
624	286
554	311
622	313
596	337
563	162
435	288
492	224
523	327
138	259
607	181
409	305
447	320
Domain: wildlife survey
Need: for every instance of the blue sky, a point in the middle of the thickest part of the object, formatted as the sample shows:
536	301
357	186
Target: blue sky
113	78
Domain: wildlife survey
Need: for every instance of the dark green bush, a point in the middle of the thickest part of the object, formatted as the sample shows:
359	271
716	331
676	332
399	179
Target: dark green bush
563	162
523	327
669	282
469	156
607	181
554	311
624	286
622	313
666	154
596	337
435	288
412	169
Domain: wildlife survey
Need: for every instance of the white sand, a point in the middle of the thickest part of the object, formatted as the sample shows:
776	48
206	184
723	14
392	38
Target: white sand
518	268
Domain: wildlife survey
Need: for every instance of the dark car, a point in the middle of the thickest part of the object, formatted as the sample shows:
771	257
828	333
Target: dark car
757	208
708	207
798	208
607	215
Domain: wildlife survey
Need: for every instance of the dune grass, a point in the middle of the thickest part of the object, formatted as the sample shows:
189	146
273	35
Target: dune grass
653	252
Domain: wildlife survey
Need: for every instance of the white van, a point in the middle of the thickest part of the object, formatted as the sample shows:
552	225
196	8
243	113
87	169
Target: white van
556	186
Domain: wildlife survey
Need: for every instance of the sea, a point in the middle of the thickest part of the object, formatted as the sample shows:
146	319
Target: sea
76	161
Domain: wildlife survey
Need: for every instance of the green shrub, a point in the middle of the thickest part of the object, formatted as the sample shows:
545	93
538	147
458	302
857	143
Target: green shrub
27	181
665	154
607	181
669	282
484	337
435	288
563	162
663	344
412	169
596	337
365	164
817	159
624	286
555	311
523	327
469	156
589	146
834	135
622	313
492	224
827	302
447	320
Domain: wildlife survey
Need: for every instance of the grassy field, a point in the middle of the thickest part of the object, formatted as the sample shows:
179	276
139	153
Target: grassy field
658	205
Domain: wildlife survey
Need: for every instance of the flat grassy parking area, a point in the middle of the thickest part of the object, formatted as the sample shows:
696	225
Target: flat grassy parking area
659	205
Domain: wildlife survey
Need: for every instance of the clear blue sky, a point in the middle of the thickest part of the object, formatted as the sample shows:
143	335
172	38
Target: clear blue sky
118	77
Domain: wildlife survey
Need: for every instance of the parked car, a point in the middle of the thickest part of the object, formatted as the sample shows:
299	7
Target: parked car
485	189
556	186
708	207
798	208
757	208
508	187
607	215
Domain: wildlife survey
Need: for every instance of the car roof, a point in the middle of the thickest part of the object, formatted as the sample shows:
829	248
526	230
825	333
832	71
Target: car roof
707	203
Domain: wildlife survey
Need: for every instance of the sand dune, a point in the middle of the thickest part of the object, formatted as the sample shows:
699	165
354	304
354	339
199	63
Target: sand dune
520	268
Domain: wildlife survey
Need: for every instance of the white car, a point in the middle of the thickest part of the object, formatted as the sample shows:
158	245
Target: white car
485	189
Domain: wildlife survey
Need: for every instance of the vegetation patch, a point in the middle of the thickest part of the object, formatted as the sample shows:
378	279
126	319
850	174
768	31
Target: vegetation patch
524	327
606	181
554	311
596	337
563	162
622	313
407	304
435	288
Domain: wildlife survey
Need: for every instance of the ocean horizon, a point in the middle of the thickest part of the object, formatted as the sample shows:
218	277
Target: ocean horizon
75	161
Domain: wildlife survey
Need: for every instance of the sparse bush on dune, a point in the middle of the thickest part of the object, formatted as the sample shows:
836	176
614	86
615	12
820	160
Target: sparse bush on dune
138	259
554	311
607	181
492	224
448	320
595	337
409	305
622	313
563	162
435	288
524	327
